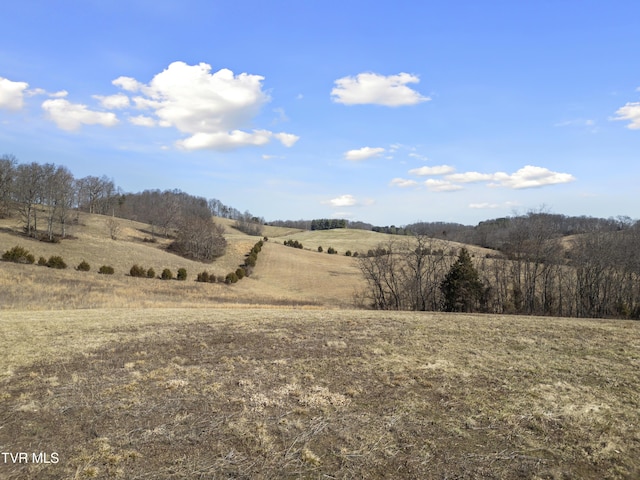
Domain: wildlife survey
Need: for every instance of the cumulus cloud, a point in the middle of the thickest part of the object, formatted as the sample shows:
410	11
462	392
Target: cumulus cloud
363	153
225	140
113	102
429	171
631	112
530	177
372	88
71	116
212	108
470	177
342	201
403	183
12	94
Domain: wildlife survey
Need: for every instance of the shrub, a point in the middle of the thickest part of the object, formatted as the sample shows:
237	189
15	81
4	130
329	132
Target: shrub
250	261
348	253
355	254
320	250
137	271
18	255
83	266
166	274
331	251
182	274
241	273
42	262
203	277
106	270
231	278
56	262
151	273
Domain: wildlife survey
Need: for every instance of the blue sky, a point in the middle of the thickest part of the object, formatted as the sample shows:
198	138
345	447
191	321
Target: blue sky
386	112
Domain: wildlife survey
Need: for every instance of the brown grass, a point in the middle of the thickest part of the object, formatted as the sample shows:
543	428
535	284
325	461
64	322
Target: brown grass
258	393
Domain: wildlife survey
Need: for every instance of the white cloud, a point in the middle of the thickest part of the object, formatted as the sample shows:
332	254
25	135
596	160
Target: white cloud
441	185
287	139
71	116
487	205
342	201
12	94
142	121
530	176
127	83
403	183
435	170
363	153
470	177
225	140
631	112
113	102
372	88
212	108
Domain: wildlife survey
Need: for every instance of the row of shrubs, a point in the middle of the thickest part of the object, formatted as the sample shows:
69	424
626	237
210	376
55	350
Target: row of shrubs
333	251
19	254
242	271
167	274
293	243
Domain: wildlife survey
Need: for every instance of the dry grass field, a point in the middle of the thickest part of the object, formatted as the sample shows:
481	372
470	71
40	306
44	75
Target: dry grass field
277	377
297	393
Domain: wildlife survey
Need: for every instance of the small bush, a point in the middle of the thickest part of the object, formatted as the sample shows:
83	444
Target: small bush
332	251
151	273
56	262
241	273
348	253
182	274
250	261
355	254
106	270
137	271
203	277
18	255
42	262
83	266
320	250
231	278
166	274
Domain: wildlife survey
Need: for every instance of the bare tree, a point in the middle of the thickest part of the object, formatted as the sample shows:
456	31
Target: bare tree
27	191
8	165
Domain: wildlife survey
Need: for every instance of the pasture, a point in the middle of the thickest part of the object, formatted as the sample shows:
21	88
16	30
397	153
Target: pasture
300	393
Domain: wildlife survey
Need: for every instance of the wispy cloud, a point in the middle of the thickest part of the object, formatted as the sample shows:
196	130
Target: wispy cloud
432	171
373	88
403	183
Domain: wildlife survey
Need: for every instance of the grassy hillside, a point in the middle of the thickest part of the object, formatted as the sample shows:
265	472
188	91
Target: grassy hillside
283	275
271	394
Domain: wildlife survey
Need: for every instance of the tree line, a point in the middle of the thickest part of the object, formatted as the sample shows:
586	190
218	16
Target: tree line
594	274
48	199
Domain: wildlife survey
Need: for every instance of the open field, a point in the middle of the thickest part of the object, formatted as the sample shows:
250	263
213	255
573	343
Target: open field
292	393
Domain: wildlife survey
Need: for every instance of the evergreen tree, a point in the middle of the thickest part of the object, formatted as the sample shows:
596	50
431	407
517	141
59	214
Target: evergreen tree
462	288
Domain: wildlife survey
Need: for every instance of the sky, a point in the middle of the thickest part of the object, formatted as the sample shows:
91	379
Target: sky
384	112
